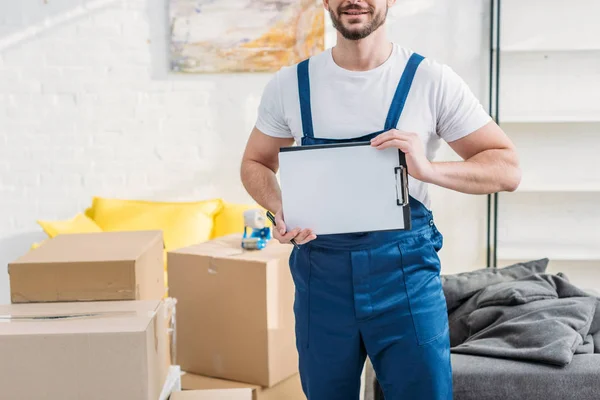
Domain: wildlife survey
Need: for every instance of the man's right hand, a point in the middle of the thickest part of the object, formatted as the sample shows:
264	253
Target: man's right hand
280	233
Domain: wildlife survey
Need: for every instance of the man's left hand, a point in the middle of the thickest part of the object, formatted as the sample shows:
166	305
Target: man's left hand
419	167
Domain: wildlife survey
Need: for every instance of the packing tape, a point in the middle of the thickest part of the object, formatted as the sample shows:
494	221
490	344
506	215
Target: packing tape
212	266
170	316
172	383
217	363
54	317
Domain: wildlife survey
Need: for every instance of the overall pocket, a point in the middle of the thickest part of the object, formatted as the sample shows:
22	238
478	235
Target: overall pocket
427	303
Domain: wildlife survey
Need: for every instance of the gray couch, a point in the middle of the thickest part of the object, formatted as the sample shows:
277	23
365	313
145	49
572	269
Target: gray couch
515	369
486	378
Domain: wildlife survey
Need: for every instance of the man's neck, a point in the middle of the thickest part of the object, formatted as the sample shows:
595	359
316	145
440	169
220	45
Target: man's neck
364	54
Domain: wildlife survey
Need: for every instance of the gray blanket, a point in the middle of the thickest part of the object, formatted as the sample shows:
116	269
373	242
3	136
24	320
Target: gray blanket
530	316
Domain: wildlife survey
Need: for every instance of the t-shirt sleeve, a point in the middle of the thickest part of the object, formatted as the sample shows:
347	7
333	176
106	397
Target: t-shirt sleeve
459	112
271	119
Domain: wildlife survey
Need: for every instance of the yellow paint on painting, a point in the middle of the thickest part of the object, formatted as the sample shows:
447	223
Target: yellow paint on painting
298	34
281	44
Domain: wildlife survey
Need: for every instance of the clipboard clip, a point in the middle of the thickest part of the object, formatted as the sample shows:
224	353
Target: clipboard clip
401	186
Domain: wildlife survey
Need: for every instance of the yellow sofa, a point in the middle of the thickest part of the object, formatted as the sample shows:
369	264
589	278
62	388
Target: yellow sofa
182	223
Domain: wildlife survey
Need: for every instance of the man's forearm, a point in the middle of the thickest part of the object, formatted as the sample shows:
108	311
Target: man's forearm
490	171
261	183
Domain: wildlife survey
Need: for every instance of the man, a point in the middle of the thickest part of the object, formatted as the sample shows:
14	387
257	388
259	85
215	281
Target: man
375	294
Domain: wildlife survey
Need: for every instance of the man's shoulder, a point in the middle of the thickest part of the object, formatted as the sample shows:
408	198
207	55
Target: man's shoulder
429	68
289	73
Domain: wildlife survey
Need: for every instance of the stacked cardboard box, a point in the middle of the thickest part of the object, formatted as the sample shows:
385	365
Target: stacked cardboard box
235	320
288	389
87	320
91	267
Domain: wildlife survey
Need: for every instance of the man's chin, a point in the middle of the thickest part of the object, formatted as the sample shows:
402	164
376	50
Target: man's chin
355	26
355	29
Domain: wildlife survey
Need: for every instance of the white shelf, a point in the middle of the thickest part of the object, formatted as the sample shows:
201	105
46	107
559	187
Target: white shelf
551	119
561	224
542	25
525	49
560	87
556	187
547	167
553	252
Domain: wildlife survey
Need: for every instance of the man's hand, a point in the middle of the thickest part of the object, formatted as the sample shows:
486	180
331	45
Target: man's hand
419	167
490	161
280	233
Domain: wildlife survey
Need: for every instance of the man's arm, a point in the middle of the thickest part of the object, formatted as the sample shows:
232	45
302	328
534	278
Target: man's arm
490	161
490	165
259	166
260	163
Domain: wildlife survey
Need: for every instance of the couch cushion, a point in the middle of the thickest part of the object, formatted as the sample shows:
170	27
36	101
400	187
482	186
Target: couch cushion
459	287
183	223
80	223
483	378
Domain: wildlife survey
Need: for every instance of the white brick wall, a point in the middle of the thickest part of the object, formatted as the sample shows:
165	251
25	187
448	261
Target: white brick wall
87	108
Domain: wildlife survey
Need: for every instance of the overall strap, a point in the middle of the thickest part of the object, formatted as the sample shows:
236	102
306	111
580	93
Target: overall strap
402	91
304	95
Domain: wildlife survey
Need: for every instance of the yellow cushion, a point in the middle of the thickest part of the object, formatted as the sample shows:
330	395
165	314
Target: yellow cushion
79	224
182	223
230	219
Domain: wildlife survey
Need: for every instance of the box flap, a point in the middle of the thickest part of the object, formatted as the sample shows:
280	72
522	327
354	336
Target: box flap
230	247
200	382
77	317
92	247
213	394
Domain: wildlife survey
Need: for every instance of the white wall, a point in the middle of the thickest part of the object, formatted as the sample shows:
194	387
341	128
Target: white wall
87	108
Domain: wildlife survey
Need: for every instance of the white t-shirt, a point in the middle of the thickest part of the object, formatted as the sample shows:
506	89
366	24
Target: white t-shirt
347	104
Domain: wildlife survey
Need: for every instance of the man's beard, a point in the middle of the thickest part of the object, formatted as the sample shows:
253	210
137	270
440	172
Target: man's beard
354	34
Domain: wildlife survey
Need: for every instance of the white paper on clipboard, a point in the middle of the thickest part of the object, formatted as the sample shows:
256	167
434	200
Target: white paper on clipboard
344	188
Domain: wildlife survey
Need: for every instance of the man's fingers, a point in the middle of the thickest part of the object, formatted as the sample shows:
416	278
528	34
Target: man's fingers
309	238
390	135
280	232
281	228
280	224
396	143
381	138
303	236
277	235
291	234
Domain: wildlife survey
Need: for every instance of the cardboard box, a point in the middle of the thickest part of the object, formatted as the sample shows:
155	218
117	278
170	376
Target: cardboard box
214	394
235	317
289	389
91	267
89	350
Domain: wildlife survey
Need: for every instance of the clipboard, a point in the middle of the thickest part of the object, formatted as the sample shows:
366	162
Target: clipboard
344	188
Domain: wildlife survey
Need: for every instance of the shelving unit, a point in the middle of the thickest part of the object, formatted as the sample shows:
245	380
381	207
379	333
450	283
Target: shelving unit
555	252
544	25
548	102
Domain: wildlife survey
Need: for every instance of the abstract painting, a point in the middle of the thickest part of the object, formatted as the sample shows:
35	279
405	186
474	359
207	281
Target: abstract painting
224	36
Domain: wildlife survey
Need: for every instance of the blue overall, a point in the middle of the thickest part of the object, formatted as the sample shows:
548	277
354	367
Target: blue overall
373	293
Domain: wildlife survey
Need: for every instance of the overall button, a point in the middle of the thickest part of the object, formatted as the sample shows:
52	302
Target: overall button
430	222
